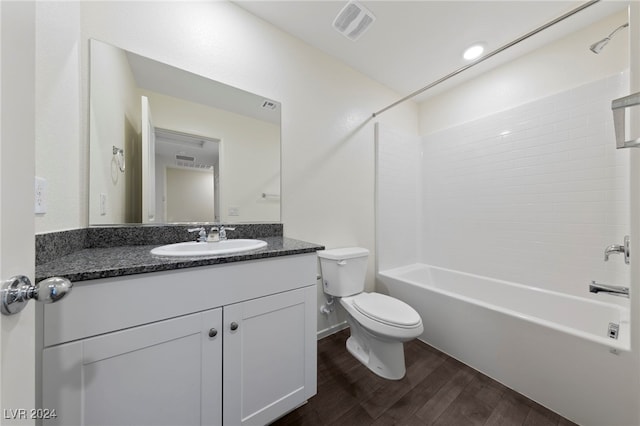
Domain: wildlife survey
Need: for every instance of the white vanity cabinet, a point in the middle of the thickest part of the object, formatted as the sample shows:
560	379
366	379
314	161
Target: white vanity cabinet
267	357
227	344
165	373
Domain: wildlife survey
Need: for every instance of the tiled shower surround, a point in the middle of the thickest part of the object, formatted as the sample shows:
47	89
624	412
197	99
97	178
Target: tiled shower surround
532	194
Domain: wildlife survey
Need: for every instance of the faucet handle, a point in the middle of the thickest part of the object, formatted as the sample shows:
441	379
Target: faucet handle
202	233
614	248
223	232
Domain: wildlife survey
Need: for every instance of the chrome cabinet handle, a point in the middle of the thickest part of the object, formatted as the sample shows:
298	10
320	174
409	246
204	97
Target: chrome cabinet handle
213	332
16	292
233	326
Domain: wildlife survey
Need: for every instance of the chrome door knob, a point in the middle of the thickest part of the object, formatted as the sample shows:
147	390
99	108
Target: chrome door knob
233	326
16	292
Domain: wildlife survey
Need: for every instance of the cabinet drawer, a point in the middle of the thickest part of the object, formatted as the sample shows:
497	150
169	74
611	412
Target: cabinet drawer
102	306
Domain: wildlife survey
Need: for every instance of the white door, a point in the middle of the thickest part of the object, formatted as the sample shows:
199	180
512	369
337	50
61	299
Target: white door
17	248
148	163
634	86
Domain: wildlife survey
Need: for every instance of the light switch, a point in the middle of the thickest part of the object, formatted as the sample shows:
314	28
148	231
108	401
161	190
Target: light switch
40	196
103	204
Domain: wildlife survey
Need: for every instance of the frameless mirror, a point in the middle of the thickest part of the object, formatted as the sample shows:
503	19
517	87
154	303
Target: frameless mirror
170	146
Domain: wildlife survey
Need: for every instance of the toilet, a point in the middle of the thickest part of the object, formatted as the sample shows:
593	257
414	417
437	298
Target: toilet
379	324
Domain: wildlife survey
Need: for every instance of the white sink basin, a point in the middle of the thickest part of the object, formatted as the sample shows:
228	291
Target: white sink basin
193	248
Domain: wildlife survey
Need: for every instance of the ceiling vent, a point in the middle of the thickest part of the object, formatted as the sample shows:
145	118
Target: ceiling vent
267	104
353	20
185	160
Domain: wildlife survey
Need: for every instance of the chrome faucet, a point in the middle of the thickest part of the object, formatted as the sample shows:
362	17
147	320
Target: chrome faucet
614	248
614	290
202	234
214	235
223	232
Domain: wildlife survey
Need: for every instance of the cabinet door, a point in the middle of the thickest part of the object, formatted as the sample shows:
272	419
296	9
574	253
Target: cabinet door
165	373
270	357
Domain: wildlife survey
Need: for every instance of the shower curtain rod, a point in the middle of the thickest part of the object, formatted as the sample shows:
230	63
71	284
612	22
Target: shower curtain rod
489	55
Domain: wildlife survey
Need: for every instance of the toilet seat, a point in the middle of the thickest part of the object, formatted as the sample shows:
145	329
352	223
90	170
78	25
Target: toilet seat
387	310
388	328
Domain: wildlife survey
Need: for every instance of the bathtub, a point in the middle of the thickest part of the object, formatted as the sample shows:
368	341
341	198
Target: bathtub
552	347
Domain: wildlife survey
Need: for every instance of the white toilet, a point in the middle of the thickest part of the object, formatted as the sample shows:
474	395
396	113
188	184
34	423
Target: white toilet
379	323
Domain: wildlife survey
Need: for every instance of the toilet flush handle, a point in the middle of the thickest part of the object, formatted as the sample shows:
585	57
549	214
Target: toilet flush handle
342	262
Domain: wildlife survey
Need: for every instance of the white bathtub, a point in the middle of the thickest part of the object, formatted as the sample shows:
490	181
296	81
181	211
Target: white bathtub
552	347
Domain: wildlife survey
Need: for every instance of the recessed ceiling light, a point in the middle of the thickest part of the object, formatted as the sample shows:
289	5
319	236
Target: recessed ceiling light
473	52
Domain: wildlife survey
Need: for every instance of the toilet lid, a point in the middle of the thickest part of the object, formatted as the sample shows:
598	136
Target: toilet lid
386	309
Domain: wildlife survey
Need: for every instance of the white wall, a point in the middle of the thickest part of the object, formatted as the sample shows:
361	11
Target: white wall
61	145
114	112
184	194
327	134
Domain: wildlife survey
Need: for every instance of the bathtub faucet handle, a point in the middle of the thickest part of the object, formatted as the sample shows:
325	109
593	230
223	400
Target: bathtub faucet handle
614	248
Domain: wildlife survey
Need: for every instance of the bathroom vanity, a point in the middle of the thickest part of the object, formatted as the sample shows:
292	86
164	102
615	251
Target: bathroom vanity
223	340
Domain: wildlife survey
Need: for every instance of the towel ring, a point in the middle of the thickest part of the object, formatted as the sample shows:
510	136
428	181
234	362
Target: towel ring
119	154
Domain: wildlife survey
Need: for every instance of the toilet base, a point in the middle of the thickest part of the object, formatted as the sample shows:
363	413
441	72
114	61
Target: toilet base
382	356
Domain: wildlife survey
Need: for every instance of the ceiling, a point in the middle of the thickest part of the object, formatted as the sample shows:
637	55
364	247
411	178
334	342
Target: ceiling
413	43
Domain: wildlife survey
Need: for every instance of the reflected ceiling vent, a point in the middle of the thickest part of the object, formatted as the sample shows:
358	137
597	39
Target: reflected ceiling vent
185	160
353	20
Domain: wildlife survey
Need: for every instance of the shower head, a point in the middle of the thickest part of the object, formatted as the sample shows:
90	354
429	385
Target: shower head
599	45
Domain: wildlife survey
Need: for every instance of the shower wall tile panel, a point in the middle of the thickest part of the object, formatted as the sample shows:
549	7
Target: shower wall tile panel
397	198
532	194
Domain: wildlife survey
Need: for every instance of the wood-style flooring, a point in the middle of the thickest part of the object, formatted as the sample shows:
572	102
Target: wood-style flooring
437	390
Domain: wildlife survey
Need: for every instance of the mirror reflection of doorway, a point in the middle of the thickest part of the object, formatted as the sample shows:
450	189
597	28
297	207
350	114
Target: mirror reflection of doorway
187	177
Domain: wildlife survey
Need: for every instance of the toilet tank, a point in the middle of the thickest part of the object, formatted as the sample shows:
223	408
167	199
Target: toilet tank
343	270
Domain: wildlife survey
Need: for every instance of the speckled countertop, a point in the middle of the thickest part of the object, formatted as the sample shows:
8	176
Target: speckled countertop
113	251
104	262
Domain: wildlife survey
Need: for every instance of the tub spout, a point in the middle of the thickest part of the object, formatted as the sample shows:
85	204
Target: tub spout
614	290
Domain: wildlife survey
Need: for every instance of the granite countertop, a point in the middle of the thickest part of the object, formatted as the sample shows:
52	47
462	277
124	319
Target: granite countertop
94	263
